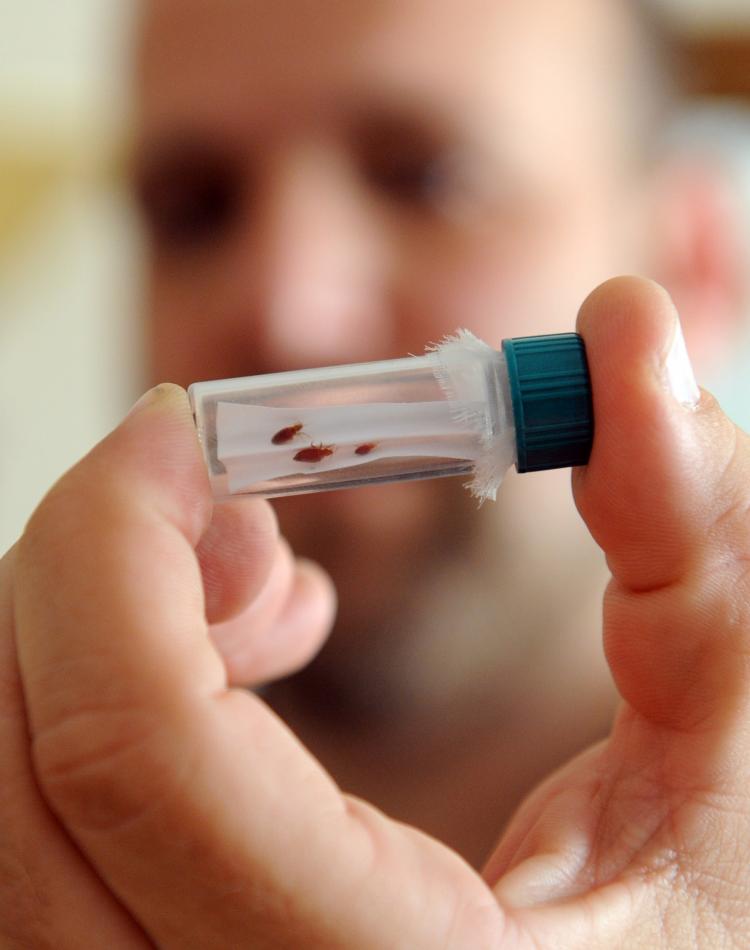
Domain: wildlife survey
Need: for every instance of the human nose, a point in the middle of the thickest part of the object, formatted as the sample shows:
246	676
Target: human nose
318	261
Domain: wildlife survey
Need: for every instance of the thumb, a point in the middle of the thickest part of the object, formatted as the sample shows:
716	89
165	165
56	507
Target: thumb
666	495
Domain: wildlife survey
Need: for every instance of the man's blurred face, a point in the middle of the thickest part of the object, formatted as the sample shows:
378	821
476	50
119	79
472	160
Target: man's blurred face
329	181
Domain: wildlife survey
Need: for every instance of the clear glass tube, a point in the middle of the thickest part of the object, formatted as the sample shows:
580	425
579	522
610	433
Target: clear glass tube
445	413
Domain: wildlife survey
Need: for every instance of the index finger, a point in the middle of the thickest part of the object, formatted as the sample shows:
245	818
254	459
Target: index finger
207	818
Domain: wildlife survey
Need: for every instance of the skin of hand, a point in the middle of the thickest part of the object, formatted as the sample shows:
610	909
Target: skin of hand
146	800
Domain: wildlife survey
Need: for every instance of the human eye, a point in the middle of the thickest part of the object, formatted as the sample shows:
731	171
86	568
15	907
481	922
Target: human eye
189	196
406	166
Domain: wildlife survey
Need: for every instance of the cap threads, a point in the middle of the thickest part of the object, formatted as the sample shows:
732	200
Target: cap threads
550	389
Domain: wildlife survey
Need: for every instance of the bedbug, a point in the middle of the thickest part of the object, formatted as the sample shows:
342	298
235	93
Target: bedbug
314	453
287	434
365	448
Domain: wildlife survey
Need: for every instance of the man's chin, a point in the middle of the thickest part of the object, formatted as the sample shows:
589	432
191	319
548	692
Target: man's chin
385	548
377	543
374	552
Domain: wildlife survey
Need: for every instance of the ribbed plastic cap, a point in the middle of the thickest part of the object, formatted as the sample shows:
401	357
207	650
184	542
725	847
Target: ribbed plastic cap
551	392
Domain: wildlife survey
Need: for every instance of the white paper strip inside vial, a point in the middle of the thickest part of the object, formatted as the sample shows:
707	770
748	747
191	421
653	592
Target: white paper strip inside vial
334	437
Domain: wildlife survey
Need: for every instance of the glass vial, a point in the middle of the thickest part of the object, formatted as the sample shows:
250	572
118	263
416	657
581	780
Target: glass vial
463	408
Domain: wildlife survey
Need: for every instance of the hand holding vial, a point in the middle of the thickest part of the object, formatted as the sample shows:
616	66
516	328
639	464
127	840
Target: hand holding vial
149	800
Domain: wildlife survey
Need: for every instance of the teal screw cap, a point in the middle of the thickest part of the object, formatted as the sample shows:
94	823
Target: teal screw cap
550	389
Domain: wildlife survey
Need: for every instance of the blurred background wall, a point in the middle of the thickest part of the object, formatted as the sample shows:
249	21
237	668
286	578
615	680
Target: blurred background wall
69	268
70	271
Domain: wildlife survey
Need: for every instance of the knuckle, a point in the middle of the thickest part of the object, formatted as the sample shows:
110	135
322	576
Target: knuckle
100	768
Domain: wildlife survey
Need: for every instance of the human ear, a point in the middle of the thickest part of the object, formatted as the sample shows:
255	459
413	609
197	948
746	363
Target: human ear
698	252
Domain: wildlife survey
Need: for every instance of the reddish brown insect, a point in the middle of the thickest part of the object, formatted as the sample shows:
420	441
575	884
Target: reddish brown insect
314	453
287	434
366	448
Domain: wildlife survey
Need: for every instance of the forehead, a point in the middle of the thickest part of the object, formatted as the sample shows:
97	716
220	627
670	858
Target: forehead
284	60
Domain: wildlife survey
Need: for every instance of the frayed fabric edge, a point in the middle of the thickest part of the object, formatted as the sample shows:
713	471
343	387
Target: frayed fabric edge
461	390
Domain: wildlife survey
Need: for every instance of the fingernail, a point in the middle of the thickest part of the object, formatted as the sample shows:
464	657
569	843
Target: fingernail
679	372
